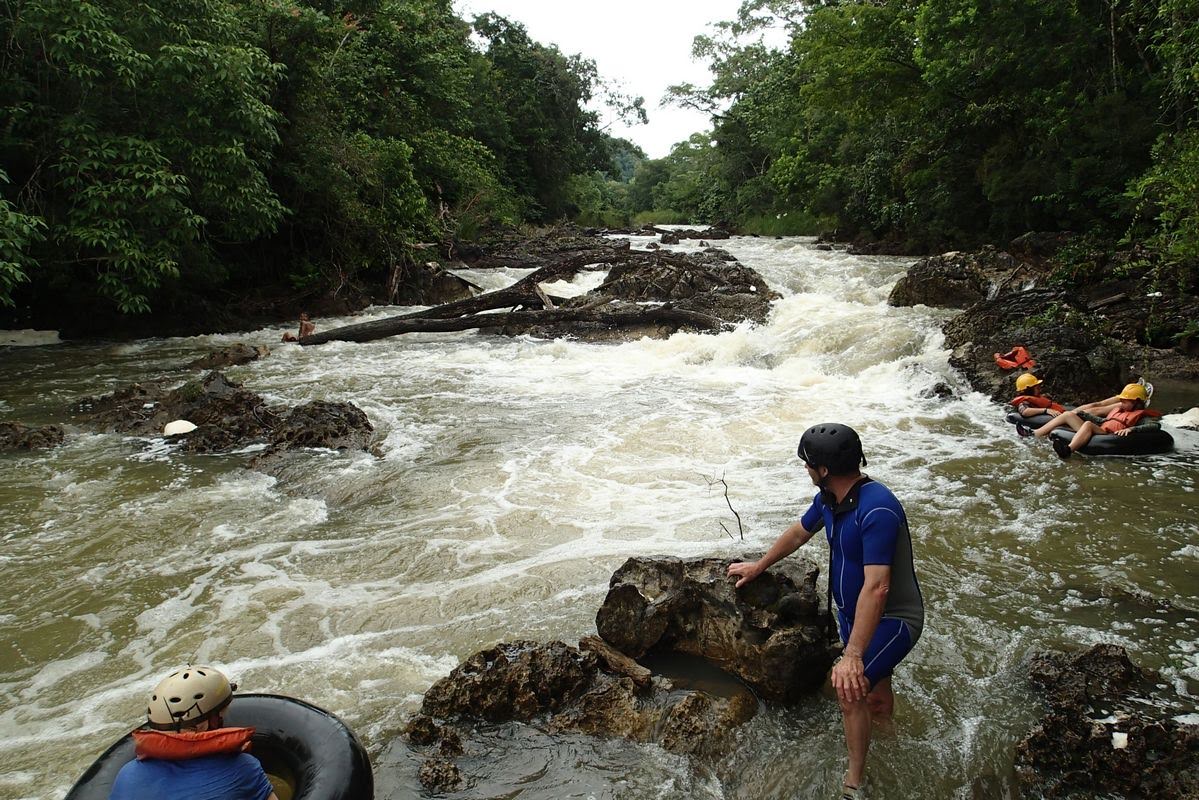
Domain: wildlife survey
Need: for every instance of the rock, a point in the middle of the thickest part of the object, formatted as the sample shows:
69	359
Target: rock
1099	737
950	280
666	605
670	237
440	775
1037	247
955	279
231	356
1077	362
824	246
512	681
15	436
226	417
772	633
334	426
430	284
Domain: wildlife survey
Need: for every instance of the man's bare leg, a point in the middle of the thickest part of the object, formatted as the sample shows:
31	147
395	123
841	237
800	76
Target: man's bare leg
856	716
881	702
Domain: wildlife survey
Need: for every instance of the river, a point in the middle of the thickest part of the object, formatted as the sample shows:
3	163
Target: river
516	475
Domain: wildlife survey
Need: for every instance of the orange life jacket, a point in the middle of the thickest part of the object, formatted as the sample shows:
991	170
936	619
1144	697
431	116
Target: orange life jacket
1019	358
1119	420
190	744
1036	401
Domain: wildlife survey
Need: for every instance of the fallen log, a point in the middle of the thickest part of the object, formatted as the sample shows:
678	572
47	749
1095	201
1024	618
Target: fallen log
526	292
394	326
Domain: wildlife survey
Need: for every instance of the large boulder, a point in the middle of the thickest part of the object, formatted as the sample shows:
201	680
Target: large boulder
955	279
1099	737
771	633
1077	361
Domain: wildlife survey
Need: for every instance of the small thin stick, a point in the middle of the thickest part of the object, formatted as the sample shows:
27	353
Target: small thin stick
712	482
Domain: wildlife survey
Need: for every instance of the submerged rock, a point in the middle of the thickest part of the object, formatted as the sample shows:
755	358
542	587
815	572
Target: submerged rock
231	356
15	436
1099	736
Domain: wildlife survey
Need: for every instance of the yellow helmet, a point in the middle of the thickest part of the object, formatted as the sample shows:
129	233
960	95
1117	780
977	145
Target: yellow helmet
1027	381
187	697
1134	391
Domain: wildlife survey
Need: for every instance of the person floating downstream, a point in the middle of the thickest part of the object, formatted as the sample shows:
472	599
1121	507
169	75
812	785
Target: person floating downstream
880	611
1123	416
307	328
1029	402
184	752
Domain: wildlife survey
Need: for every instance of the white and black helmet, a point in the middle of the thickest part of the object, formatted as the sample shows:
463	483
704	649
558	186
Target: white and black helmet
187	697
834	446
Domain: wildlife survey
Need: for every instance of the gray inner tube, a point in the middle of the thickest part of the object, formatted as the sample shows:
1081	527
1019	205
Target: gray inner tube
293	739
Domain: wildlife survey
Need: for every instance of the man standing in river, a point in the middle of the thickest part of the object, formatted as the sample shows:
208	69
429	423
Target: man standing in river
880	612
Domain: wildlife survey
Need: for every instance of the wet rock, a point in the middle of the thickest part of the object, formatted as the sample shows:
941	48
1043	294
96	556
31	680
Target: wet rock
1077	361
231	356
440	775
430	284
771	633
227	417
334	426
1099	736
15	436
512	681
950	280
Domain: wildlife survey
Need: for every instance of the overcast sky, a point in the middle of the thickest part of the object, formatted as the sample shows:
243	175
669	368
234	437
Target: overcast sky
643	45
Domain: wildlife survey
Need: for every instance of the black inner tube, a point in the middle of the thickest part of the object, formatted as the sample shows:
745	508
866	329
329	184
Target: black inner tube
304	747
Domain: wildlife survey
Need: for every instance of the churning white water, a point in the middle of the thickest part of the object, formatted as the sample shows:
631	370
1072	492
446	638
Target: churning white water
516	475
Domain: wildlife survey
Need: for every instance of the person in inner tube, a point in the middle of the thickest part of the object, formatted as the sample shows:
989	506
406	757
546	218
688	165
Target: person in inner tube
184	752
1128	413
1029	400
880	611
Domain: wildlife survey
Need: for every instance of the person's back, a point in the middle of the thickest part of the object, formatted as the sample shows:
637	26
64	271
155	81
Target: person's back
232	776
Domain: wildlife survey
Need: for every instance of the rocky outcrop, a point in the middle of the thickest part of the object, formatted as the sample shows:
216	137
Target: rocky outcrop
564	689
771	633
1099	737
1078	363
953	280
15	436
231	356
227	417
676	237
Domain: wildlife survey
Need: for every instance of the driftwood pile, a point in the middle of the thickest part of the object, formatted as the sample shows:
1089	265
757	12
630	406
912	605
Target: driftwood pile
671	291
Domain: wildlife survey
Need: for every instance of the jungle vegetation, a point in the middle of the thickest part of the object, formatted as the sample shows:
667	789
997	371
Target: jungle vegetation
151	153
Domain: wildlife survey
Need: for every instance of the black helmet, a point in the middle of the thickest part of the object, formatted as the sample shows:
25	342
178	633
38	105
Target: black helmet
832	445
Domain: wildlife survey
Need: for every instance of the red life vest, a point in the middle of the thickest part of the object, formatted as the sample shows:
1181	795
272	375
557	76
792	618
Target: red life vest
1019	357
1119	420
190	744
1036	401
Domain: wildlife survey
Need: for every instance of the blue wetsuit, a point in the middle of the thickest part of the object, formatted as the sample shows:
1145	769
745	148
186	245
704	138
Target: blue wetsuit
869	527
236	776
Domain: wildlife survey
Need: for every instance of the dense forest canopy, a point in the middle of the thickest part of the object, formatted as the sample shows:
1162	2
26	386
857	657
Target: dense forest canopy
150	151
155	153
946	123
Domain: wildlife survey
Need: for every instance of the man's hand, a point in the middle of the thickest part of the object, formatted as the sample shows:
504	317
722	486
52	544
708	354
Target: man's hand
744	571
1052	412
1124	431
849	679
